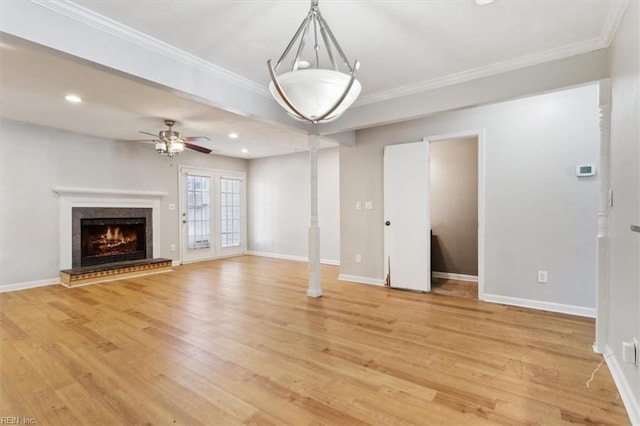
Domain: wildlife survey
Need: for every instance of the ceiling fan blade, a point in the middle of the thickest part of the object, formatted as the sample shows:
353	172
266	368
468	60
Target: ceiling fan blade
197	148
147	133
143	140
196	139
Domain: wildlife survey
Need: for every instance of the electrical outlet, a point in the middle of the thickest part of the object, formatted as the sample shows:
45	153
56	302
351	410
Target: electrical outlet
172	247
630	352
368	205
358	258
542	277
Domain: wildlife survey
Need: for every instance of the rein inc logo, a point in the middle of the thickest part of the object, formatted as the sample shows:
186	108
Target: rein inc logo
6	420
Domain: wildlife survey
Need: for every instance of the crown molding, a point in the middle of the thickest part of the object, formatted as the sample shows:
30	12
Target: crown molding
616	12
100	22
614	17
486	71
110	26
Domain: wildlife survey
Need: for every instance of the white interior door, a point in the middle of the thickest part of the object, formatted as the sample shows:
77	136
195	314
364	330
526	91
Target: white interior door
197	193
407	236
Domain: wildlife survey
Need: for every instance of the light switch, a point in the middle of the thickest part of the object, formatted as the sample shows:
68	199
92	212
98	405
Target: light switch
368	205
172	206
358	205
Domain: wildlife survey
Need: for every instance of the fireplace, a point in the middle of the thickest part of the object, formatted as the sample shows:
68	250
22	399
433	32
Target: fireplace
110	234
107	240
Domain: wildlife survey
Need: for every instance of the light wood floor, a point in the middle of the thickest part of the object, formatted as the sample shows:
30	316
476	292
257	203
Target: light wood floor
455	288
238	341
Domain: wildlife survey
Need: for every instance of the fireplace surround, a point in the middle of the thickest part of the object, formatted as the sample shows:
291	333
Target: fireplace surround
72	198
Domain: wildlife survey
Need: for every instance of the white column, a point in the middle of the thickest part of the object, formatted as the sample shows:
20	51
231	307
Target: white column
604	180
315	287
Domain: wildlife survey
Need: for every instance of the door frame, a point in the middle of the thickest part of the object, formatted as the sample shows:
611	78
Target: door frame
479	134
218	252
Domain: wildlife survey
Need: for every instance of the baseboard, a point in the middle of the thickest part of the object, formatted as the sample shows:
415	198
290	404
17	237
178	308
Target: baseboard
544	306
30	284
457	277
291	257
624	388
361	280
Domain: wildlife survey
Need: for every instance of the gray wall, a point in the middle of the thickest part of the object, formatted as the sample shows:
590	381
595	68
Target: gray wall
279	199
624	292
538	214
35	159
454	206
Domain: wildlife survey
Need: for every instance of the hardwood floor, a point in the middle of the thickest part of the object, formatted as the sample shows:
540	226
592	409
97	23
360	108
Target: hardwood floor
238	341
454	288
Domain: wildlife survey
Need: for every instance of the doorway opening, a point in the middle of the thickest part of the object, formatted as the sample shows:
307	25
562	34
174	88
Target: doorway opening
454	188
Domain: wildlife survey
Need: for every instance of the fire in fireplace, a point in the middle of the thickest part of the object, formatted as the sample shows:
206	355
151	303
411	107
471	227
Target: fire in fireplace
106	240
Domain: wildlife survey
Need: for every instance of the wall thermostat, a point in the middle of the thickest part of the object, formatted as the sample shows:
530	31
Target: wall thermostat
585	170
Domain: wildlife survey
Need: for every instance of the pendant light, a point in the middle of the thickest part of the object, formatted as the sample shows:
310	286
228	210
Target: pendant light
316	87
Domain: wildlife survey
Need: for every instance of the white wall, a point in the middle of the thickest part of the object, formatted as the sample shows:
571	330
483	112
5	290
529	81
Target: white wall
538	214
35	159
278	199
624	290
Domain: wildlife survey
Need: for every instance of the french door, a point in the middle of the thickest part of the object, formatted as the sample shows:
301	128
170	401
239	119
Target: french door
212	214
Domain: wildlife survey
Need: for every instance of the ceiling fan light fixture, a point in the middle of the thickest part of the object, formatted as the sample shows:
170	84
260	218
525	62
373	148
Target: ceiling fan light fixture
161	147
321	87
175	148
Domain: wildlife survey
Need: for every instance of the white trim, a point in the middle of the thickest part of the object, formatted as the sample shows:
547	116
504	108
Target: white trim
110	26
291	257
624	387
107	25
614	18
361	280
69	191
543	306
29	284
479	134
175	262
457	277
562	52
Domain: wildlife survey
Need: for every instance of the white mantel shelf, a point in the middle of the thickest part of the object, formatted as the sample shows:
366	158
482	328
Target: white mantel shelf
74	191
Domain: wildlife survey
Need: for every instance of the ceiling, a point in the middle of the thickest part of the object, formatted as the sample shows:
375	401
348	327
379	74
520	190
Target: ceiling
403	47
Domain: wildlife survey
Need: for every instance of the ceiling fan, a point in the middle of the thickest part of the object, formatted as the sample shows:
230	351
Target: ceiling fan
170	143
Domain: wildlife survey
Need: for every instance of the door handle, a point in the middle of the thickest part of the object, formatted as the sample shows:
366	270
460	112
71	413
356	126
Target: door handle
635	228
387	223
184	221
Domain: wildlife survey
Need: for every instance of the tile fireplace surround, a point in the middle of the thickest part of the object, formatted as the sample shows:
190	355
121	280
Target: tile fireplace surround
79	199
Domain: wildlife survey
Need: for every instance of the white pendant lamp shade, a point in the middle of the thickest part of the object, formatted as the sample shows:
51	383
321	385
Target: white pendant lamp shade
320	83
313	92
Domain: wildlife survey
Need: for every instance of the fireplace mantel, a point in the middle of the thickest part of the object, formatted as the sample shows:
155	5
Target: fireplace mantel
71	197
100	192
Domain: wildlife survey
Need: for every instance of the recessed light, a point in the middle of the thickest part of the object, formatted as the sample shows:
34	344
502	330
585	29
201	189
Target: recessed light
483	2
244	150
233	135
74	99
